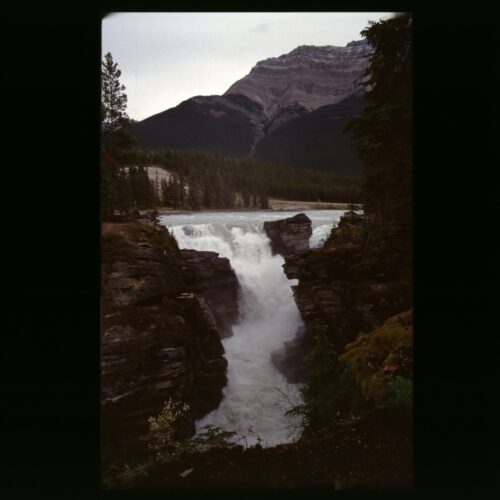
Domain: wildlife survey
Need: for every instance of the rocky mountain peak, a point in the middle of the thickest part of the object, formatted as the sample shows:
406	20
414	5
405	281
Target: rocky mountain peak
309	76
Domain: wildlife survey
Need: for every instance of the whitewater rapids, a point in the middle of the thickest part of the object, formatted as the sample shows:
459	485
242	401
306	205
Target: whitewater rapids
256	396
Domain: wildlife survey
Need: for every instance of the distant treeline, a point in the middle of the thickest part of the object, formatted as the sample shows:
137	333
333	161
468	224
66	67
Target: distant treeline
209	180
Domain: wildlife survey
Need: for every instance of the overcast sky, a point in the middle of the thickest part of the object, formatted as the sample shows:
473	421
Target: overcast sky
166	58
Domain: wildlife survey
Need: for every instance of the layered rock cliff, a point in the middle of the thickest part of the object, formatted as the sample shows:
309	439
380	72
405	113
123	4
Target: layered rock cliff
159	336
306	78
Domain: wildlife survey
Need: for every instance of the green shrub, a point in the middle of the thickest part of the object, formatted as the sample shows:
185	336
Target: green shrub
347	396
162	429
398	393
366	359
318	408
165	446
129	473
211	436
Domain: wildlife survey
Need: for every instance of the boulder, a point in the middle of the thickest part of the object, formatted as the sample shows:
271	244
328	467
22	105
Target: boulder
289	236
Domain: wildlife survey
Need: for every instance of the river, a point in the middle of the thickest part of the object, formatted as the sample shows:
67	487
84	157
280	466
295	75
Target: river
256	396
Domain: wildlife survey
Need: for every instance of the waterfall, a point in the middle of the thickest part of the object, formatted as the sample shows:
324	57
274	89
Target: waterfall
256	396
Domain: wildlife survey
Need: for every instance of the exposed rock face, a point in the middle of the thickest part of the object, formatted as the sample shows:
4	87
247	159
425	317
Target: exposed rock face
141	271
308	76
289	236
284	115
339	290
158	338
213	278
289	358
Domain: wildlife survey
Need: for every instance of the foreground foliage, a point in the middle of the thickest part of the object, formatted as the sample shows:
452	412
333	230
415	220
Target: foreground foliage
380	364
166	445
374	372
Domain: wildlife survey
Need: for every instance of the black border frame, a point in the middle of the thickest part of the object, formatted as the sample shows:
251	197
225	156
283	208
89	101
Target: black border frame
50	345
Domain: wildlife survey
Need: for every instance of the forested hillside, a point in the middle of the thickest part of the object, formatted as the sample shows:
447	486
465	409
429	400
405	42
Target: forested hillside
196	181
316	140
209	180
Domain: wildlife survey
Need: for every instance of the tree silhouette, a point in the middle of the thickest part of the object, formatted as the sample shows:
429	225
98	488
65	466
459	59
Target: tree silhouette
383	132
113	97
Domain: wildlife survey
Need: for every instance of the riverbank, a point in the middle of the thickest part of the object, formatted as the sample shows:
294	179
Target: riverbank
285	205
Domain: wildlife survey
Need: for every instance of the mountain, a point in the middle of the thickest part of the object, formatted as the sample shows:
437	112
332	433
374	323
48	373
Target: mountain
275	112
308	77
316	140
228	124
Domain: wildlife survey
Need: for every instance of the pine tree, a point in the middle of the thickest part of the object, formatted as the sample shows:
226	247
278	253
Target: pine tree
116	189
264	201
113	97
109	186
165	194
318	393
174	191
194	195
207	194
124	200
383	132
245	196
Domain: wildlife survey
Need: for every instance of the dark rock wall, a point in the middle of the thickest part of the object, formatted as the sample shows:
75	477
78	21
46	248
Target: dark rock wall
159	336
290	238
